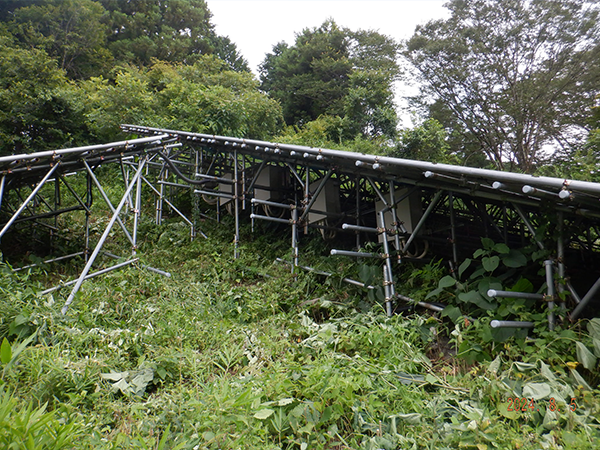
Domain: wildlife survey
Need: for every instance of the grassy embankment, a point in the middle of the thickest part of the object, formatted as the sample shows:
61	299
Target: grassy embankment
240	354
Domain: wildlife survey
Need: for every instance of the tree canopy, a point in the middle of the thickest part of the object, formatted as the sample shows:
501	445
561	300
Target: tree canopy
72	70
336	72
205	97
89	37
34	111
514	75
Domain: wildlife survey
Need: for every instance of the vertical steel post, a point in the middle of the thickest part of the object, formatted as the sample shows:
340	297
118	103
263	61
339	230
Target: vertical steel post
2	184
295	236
550	283
88	204
560	252
161	189
453	228
315	195
137	212
388	264
100	243
357	215
395	220
236	199
505	220
389	290
306	198
125	175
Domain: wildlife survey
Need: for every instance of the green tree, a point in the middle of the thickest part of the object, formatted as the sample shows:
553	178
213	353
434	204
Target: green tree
336	72
515	74
69	30
426	142
594	136
35	111
205	97
175	31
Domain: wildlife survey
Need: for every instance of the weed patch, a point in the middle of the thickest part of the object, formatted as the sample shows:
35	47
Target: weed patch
242	354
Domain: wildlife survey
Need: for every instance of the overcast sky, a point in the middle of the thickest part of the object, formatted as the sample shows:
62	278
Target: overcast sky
255	26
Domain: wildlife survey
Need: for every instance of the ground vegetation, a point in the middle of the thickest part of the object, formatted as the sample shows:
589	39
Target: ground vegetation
229	354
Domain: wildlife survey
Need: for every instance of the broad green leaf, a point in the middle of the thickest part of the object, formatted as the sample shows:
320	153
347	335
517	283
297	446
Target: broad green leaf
585	357
487	243
596	347
593	328
479	252
579	381
514	259
487	283
464	266
114	376
264	414
547	372
452	312
494	366
434	293
503	410
5	352
140	381
431	379
524	366
490	263
501	248
366	274
536	390
208	435
285	401
477	299
411	418
446	281
523	285
550	419
501	334
478	273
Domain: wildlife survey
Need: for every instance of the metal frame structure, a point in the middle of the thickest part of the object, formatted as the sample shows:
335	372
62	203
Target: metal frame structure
32	192
413	209
456	206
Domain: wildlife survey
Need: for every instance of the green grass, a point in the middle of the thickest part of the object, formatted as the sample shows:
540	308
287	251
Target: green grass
242	355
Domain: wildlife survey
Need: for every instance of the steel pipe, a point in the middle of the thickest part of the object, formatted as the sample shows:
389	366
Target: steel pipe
348	226
585	300
550	286
34	192
315	194
74	150
274	204
48	261
100	243
421	222
107	200
335	252
88	276
494	293
510	324
422	166
213	193
272	219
